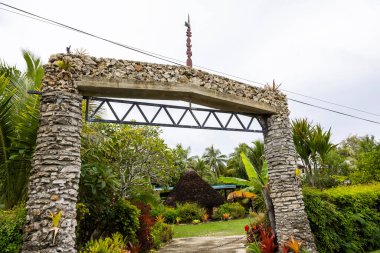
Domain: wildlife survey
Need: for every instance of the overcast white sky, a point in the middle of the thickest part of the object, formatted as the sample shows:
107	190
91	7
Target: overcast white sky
325	49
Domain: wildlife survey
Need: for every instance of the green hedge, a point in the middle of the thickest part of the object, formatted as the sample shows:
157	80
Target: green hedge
187	212
235	210
169	213
345	219
11	225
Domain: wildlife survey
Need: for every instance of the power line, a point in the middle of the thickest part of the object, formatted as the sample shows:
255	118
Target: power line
37	17
178	62
330	110
329	102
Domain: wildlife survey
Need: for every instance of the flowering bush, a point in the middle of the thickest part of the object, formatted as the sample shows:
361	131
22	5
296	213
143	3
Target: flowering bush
260	235
226	216
234	209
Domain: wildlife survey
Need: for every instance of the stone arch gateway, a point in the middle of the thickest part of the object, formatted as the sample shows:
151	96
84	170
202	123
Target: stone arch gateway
54	179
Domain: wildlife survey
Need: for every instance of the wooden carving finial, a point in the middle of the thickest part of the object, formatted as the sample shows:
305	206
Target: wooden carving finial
189	62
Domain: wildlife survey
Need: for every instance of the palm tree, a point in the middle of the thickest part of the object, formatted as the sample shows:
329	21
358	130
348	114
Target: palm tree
19	120
312	145
215	159
199	165
235	164
255	155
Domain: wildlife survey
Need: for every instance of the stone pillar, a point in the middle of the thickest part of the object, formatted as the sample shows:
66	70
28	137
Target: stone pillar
54	180
290	215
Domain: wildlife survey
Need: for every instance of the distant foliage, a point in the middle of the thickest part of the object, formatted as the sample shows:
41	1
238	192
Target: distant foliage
235	210
11	225
345	219
368	166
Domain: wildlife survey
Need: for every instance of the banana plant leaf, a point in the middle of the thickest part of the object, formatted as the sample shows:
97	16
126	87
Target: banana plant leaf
234	180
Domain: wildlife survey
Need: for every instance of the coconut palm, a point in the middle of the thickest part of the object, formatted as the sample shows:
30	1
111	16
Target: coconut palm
256	155
235	164
19	120
215	159
199	165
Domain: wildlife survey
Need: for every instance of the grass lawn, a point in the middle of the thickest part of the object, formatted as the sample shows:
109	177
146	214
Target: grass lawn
215	228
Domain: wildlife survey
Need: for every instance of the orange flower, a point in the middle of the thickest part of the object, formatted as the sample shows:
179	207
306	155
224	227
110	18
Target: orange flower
294	244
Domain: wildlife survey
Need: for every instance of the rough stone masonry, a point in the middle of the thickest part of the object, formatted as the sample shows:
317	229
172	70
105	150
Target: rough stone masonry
54	179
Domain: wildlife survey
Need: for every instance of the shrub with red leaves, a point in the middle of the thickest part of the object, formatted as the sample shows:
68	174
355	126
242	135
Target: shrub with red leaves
253	233
264	235
144	234
267	240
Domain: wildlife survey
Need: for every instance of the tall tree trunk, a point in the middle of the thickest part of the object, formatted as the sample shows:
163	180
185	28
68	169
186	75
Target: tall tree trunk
269	205
311	175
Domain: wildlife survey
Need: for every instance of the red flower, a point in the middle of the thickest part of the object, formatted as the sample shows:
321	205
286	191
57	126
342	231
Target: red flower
246	228
254	227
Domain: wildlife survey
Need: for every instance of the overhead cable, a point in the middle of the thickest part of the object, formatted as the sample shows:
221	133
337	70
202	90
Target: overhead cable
180	63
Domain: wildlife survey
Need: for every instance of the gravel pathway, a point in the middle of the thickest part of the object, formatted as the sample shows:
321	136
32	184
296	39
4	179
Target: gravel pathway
223	244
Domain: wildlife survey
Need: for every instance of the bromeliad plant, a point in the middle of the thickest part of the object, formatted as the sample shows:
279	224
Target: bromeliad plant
259	235
293	245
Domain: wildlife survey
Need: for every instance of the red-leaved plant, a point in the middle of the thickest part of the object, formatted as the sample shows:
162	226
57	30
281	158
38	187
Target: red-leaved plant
267	240
262	234
144	234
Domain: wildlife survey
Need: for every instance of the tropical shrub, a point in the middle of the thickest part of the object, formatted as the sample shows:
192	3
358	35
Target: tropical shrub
169	213
161	233
253	247
144	235
235	210
205	217
11	224
345	219
293	245
124	218
121	217
195	222
114	244
256	219
188	212
260	239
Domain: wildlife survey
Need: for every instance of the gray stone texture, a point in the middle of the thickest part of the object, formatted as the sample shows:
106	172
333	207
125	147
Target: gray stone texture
291	218
54	179
55	176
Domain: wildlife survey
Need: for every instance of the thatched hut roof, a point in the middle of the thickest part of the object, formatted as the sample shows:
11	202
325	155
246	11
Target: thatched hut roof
192	188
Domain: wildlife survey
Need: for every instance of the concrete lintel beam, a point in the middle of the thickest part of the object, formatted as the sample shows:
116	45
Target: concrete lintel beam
171	91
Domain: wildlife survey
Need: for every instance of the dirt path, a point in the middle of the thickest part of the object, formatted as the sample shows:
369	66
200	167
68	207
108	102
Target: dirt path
224	244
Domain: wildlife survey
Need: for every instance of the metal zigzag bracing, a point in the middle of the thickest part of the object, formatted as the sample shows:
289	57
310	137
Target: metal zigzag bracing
141	113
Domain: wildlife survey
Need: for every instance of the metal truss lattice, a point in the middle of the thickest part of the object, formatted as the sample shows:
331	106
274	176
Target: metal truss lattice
142	113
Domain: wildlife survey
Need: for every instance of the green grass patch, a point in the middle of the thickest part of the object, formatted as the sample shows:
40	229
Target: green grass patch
214	228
